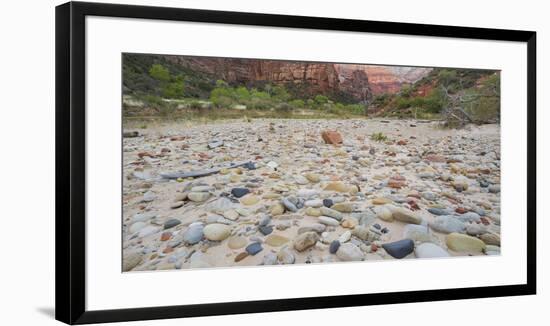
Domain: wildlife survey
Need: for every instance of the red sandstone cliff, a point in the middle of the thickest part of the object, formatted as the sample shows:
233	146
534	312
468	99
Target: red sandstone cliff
357	81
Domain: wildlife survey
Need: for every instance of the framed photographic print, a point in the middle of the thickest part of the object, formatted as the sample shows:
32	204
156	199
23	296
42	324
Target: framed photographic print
213	163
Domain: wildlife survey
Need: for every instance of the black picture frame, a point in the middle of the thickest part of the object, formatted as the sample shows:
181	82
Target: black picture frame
70	161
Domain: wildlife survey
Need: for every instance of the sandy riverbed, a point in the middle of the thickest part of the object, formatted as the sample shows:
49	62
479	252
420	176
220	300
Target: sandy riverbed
419	166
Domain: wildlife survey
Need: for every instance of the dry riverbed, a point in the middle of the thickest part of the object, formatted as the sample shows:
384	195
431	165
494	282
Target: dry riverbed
269	191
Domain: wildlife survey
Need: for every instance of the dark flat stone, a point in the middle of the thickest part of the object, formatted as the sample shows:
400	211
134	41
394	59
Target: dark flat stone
334	245
254	248
265	230
171	223
239	192
328	202
399	249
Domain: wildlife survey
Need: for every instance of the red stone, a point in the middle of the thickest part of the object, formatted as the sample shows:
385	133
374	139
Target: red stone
332	137
402	142
485	221
168	250
413	205
143	154
373	247
165	236
461	210
177	138
435	158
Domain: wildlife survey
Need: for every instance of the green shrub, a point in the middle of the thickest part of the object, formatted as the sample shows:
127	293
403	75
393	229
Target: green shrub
158	72
173	90
283	107
299	104
379	137
321	99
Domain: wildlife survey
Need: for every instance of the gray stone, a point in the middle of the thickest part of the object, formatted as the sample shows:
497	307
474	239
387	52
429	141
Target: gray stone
254	248
440	211
289	205
193	234
305	240
270	259
416	232
316	203
265	230
264	220
328	221
447	224
285	256
469	217
331	213
315	227
349	252
430	250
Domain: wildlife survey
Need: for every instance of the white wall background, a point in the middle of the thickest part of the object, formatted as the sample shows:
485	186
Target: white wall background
27	159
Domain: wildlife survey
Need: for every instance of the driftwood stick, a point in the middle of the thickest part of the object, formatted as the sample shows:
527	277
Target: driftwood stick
200	173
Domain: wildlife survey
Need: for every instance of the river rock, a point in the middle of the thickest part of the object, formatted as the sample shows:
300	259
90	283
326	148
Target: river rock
430	250
171	223
277	209
365	233
327	202
328	221
490	239
447	224
469	217
334	245
285	256
312	177
440	211
131	260
276	240
198	196
315	227
336	186
349	252
417	232
399	249
307	193
143	217
269	259
464	243
349	222
250	200
475	229
136	227
315	203
384	213
254	248
236	242
310	211
342	207
331	213
193	234
344	237
265	230
239	192
216	231
305	240
289	205
405	215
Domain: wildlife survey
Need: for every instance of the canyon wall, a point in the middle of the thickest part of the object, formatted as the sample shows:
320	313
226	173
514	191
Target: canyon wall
359	82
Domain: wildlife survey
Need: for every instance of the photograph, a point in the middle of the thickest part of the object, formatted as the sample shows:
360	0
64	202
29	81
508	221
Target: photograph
240	162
